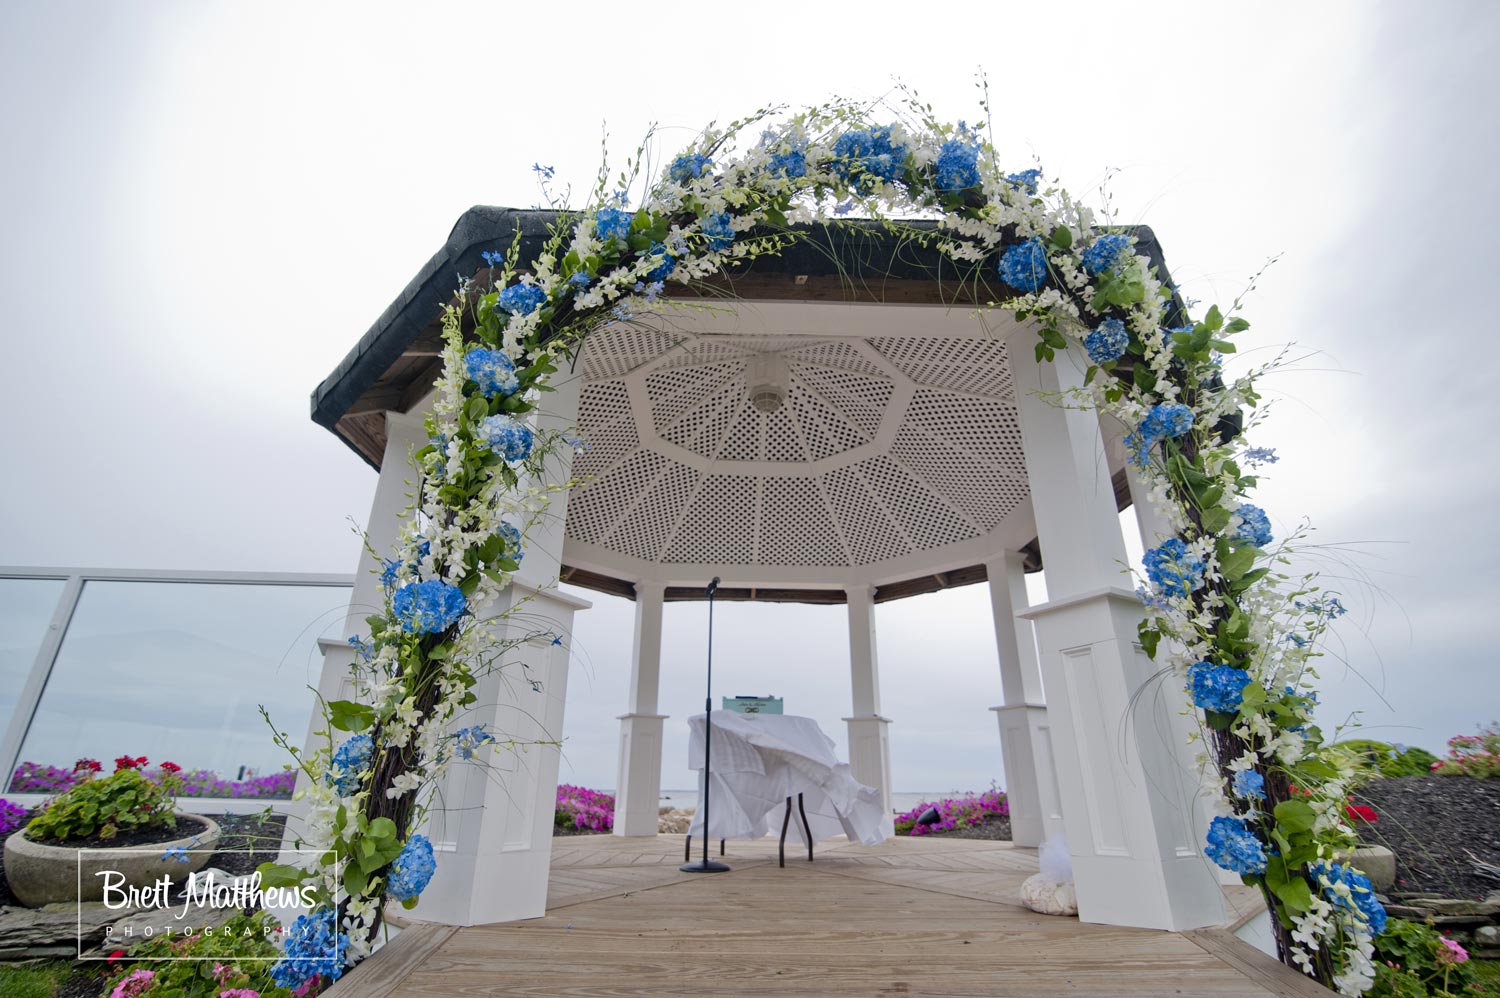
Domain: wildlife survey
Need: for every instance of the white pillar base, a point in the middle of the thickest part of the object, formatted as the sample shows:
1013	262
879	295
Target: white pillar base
638	790
870	761
1127	792
491	820
1030	774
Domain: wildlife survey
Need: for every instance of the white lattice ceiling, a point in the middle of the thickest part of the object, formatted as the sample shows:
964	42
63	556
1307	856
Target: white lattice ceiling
896	450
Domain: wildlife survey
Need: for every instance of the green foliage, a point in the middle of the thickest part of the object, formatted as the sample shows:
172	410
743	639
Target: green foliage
1370	759
124	801
243	948
39	981
1473	755
1422	964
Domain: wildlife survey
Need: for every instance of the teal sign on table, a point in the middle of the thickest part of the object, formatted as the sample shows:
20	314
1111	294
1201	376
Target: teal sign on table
753	705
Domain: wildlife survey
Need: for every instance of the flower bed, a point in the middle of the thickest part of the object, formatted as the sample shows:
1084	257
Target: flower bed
582	810
36	778
958	811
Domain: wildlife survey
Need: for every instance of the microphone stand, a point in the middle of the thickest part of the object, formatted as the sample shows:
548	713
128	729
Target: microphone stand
707	865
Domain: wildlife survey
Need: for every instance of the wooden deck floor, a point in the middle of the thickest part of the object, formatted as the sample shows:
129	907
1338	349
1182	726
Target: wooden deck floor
911	916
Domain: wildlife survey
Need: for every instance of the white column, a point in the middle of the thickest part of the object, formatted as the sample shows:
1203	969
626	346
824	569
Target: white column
394	495
1186	719
1127	802
492	820
1025	735
638	789
869	737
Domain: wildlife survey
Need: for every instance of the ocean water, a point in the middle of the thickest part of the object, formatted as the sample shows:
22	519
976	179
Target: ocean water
901	801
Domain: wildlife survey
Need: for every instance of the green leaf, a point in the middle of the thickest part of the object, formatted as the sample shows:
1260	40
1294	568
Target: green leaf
1237	562
1295	816
1216	519
1054	339
1295	894
1150	638
1062	237
1236	325
382	828
349	716
277	875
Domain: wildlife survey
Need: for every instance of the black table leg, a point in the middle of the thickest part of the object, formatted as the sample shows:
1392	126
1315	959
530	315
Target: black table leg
806	829
786	820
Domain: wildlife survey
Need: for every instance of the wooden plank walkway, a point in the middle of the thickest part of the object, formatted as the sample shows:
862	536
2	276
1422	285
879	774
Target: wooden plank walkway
910	917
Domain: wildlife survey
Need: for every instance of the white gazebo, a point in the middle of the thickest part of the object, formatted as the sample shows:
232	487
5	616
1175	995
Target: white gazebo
849	431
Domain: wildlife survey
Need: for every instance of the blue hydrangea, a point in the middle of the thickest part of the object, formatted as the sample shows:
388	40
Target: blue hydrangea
581	280
1254	528
411	870
1024	265
689	166
1107	342
717	229
512	548
1026	180
1173	569
1260	455
612	223
1232	845
492	371
352	758
1139	448
1170	419
1357	894
428	607
521	299
790	164
468	740
506	436
1250	785
1217	687
957	166
867	156
1106	253
313	945
665	265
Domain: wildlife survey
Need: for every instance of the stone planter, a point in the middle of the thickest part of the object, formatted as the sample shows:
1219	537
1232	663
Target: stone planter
41	874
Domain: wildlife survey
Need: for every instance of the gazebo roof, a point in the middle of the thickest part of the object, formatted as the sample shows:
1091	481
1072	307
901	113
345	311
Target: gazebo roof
894	459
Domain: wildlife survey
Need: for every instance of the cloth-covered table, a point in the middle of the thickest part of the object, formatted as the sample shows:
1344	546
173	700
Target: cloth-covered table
759	760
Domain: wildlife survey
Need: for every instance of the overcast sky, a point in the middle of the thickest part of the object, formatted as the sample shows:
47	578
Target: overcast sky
206	204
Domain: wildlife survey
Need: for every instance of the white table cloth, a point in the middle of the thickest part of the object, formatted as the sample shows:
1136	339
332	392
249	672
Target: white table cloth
759	760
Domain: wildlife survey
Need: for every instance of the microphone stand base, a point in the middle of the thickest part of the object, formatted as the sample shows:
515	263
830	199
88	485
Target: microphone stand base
704	866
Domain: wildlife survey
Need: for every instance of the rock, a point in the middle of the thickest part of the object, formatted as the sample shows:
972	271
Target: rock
1458	906
150	924
1047	898
57	925
1403	911
1487	936
1376	862
675	821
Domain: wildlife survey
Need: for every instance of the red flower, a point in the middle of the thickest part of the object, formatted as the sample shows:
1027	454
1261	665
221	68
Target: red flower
170	767
126	762
1361	812
91	765
115	956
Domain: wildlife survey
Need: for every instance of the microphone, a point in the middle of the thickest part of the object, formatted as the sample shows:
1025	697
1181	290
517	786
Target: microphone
713	586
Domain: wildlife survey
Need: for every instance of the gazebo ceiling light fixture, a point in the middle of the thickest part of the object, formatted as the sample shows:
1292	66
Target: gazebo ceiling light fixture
767	377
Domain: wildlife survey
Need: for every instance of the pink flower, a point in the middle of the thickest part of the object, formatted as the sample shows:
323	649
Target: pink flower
239	993
134	985
1452	952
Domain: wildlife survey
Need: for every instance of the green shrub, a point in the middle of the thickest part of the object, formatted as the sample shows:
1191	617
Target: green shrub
124	801
1411	961
1370	758
1473	755
237	955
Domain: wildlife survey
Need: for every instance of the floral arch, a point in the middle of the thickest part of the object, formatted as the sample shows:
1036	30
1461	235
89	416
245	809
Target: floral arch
1219	615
